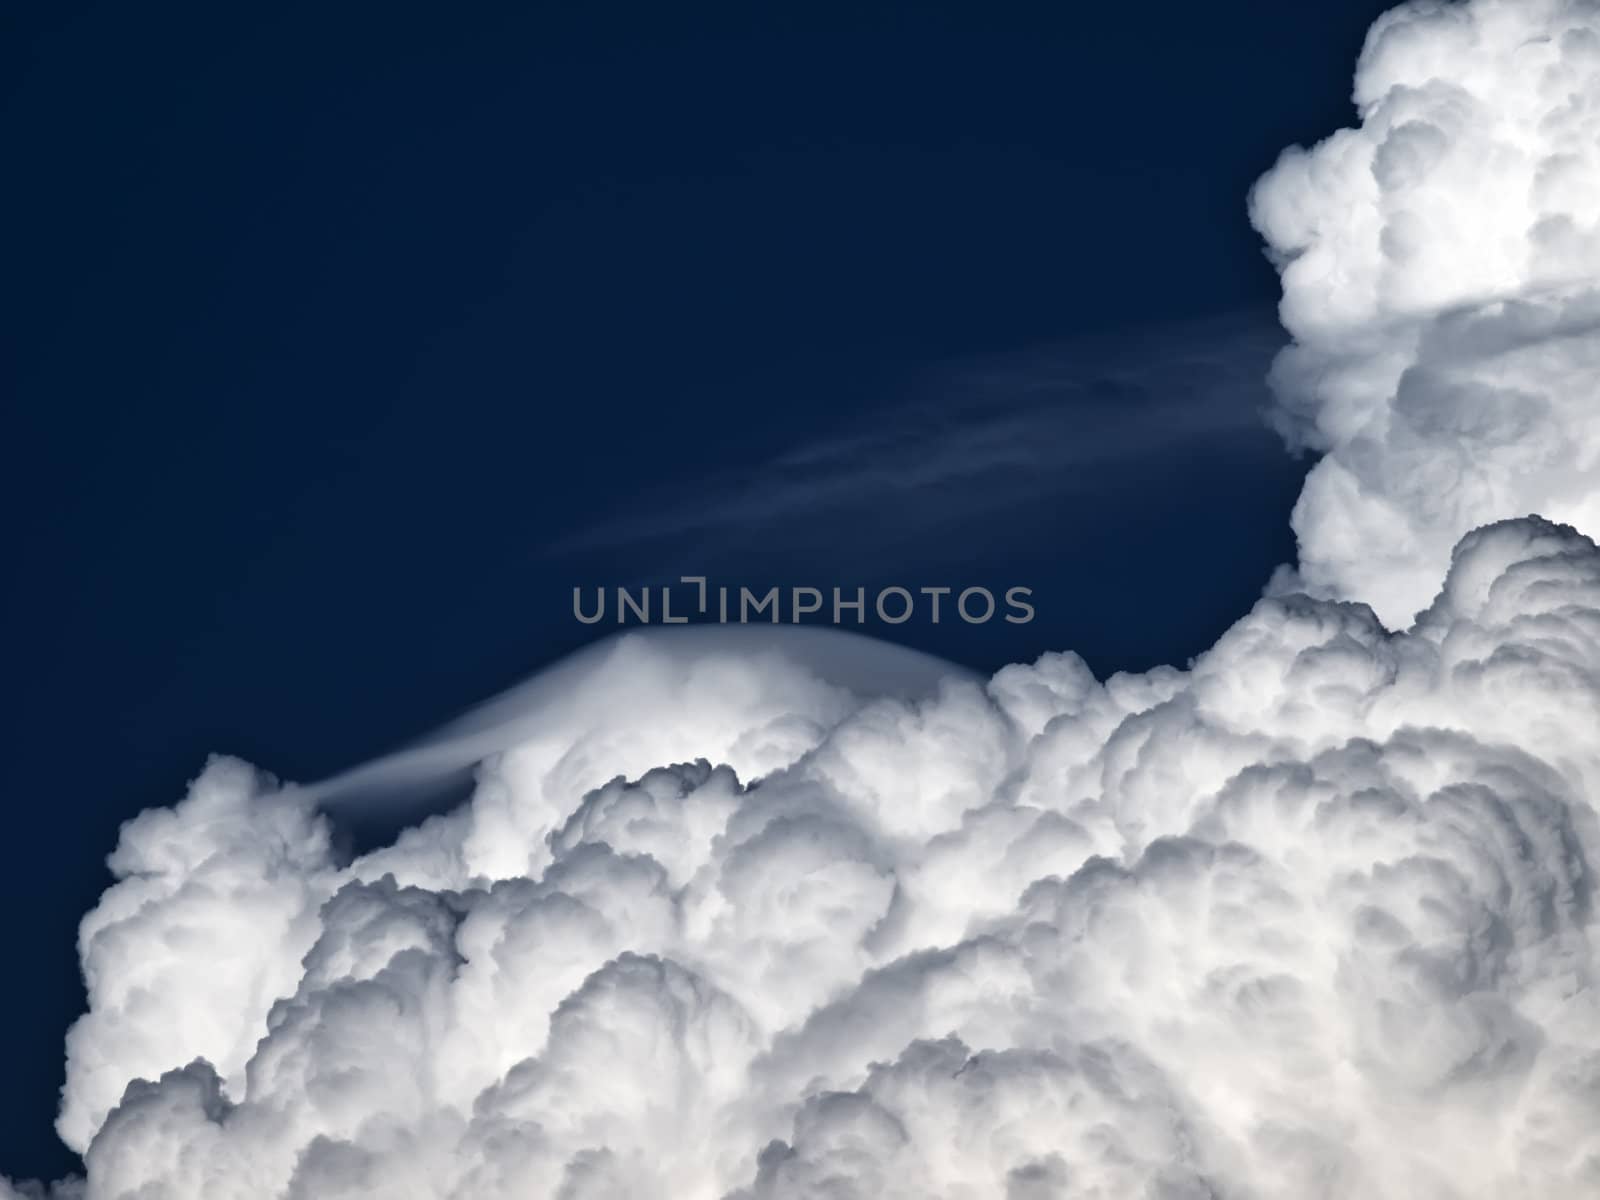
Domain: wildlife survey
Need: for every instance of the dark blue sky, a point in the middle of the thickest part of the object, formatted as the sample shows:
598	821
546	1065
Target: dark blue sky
343	340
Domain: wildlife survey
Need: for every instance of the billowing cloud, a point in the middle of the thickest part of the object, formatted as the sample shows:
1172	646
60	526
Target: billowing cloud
1220	931
1315	917
1439	268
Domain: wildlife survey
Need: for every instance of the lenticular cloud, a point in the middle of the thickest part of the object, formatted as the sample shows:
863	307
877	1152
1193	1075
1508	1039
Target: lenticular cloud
1315	917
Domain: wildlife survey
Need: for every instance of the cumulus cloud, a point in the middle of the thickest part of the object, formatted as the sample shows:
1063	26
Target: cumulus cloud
1220	931
1313	917
1439	268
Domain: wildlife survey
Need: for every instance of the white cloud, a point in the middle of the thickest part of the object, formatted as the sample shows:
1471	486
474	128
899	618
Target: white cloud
1439	271
1221	929
1315	917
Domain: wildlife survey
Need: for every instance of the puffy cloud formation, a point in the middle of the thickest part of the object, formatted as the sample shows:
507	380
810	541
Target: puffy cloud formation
1315	917
225	889
1312	918
1440	267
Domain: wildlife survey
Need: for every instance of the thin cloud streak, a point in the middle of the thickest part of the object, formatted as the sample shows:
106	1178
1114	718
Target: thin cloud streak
1003	429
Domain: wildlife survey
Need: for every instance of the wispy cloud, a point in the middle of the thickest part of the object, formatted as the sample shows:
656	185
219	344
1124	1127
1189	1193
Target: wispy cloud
967	436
